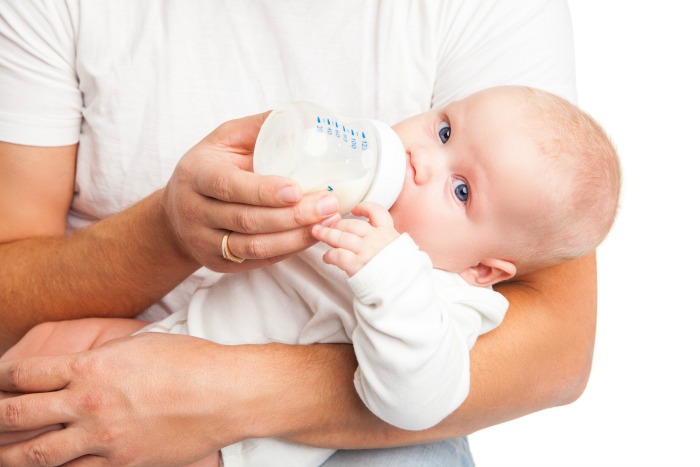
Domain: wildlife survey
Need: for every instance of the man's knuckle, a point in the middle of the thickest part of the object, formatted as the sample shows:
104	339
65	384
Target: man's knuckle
220	186
16	376
256	248
13	414
245	221
80	367
38	454
299	214
108	435
260	194
90	403
307	237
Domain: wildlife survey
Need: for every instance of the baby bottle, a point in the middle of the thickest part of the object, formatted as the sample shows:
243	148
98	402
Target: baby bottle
357	160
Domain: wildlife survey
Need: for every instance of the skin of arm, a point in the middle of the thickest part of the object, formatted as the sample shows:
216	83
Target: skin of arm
108	268
56	277
549	333
303	393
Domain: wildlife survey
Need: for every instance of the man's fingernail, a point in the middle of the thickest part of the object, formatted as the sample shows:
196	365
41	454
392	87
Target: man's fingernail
289	194
327	205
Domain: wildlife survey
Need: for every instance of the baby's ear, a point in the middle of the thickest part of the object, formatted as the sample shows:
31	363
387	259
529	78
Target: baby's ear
489	272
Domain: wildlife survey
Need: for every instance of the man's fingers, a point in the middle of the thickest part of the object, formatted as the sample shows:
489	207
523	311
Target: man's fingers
221	167
37	374
88	461
213	191
270	246
257	232
50	449
31	412
239	135
253	219
227	182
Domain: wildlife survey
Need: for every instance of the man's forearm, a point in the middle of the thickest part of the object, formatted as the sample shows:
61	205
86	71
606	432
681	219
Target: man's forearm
116	267
538	358
305	394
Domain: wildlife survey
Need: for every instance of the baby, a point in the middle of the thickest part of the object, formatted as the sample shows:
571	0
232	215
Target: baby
502	183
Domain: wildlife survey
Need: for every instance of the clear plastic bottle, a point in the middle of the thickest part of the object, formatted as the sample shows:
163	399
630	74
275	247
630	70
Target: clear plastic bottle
357	160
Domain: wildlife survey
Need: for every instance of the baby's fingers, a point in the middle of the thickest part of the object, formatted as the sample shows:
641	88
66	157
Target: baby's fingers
344	259
337	238
377	214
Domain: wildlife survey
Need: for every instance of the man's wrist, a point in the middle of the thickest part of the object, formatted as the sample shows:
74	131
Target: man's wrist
166	232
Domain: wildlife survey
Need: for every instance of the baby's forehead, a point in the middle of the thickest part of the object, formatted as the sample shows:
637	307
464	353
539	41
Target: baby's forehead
504	95
496	105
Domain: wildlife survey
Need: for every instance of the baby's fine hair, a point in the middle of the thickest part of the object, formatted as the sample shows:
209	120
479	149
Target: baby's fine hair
584	160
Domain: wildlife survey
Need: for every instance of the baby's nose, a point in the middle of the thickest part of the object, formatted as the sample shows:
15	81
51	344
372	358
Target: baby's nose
422	165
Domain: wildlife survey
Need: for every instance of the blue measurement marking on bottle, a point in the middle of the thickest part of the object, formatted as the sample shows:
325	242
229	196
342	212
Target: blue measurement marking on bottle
319	125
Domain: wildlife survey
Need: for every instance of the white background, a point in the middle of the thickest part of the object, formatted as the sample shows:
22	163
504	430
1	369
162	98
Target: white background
638	69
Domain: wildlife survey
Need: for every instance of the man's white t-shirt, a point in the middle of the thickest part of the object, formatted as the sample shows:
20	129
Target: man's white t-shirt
138	83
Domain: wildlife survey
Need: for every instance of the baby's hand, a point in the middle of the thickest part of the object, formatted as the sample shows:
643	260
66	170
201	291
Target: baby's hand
354	242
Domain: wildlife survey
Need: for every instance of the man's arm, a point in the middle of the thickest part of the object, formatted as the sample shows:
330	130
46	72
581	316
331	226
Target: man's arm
120	265
539	357
107	268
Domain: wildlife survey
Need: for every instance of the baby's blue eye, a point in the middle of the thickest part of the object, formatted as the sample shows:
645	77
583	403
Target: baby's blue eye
444	132
461	190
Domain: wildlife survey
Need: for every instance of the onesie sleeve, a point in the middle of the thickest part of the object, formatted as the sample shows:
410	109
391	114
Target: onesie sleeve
40	100
488	43
415	328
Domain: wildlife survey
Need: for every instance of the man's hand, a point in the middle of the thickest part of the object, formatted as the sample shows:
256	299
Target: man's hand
214	191
119	402
122	264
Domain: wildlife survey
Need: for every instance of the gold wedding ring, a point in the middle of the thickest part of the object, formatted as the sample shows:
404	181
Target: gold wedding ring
226	253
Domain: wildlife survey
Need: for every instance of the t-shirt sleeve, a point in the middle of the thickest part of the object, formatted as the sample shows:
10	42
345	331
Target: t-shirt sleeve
502	42
40	100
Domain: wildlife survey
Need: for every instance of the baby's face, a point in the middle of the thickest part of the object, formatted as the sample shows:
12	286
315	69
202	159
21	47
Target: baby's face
472	175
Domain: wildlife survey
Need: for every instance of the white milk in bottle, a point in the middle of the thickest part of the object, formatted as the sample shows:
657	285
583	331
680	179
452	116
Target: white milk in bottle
357	160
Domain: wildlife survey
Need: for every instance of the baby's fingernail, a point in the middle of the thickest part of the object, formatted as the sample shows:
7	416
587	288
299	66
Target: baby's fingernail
289	194
327	205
